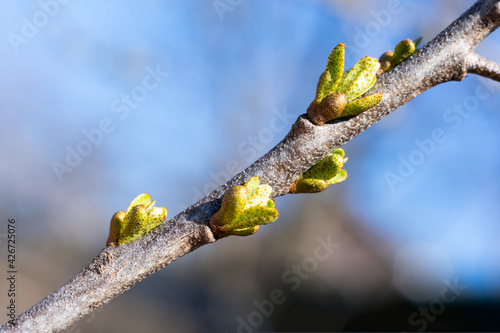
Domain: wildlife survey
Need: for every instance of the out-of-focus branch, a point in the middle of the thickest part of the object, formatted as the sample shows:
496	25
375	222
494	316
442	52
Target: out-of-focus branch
447	57
479	65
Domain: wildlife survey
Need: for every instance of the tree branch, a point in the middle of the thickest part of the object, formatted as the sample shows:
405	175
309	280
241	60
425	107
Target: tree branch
447	57
481	66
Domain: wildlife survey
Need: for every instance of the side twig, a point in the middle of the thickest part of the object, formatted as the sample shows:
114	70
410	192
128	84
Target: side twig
116	269
479	65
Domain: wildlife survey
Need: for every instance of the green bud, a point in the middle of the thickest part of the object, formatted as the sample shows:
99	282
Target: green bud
337	88
326	172
141	217
403	50
244	209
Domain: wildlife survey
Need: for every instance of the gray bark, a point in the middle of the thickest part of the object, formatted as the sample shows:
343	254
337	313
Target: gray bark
449	56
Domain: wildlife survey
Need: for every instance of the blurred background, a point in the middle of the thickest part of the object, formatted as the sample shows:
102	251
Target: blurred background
102	101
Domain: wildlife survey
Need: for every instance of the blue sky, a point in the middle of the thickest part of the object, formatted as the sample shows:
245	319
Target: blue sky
221	79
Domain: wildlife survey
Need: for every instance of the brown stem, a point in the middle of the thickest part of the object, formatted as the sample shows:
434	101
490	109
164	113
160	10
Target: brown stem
116	269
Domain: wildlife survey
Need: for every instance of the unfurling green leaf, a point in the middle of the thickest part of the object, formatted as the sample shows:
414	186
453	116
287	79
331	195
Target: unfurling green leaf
141	217
337	89
326	172
244	208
